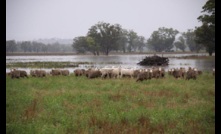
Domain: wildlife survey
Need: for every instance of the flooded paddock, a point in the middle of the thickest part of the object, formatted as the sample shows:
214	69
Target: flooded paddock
126	61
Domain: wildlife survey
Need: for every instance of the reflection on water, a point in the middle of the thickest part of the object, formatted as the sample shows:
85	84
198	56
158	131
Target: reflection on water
127	61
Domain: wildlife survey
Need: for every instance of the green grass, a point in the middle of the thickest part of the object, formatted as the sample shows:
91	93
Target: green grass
51	64
80	105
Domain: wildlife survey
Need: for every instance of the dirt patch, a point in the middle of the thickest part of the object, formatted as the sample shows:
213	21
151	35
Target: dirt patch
30	111
115	97
161	93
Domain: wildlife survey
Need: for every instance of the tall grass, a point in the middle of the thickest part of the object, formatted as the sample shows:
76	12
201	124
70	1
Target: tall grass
80	105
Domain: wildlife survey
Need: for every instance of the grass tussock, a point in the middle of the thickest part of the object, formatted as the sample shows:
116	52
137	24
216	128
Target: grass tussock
80	105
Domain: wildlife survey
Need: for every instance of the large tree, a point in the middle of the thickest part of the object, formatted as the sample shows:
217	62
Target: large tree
162	39
105	36
205	34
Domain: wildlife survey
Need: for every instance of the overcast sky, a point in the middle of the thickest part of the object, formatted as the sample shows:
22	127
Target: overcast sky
34	19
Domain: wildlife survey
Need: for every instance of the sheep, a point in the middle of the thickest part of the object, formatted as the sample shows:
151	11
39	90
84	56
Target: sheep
116	72
32	73
178	73
156	73
15	74
40	73
191	73
106	72
170	71
79	72
144	75
55	72
136	73
162	72
94	74
127	72
23	73
182	72
65	72
18	73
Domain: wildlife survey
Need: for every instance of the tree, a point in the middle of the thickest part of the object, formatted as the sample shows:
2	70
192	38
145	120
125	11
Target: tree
205	34
132	37
140	42
25	45
123	41
11	46
190	36
92	46
162	40
180	43
105	36
80	44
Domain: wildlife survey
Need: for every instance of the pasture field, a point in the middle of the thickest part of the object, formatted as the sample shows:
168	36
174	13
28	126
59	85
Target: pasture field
70	104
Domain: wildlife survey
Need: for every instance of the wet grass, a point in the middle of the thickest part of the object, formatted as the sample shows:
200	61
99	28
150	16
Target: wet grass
44	64
195	57
80	105
52	64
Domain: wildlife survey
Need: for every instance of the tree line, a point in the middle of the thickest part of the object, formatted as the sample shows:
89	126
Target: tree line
105	37
28	46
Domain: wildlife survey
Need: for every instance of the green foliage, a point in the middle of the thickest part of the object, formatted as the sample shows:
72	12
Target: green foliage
80	44
205	34
162	40
80	105
122	42
132	38
105	36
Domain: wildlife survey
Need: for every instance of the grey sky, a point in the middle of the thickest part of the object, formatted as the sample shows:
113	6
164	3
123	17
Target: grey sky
34	19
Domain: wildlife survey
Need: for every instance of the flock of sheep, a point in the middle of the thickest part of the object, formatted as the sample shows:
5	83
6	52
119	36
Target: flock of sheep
114	72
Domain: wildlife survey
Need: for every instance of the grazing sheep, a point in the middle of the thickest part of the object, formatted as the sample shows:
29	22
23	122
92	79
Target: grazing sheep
191	73
162	72
55	72
179	73
127	72
65	72
106	72
170	71
94	74
144	75
15	74
182	72
116	72
137	72
155	73
40	73
79	72
32	73
23	73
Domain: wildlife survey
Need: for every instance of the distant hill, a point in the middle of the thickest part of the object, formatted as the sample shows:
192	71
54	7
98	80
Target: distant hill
54	40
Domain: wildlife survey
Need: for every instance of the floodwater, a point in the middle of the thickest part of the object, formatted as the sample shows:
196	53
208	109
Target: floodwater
126	61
